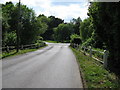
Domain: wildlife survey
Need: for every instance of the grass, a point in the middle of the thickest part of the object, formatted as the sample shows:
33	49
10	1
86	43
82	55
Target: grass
51	41
14	53
94	74
56	41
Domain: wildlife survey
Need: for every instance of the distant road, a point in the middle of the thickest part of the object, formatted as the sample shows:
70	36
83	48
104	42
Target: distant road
52	67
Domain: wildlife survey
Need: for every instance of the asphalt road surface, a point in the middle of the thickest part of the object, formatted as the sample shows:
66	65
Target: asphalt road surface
54	66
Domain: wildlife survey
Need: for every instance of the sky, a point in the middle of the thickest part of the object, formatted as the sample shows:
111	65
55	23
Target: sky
64	9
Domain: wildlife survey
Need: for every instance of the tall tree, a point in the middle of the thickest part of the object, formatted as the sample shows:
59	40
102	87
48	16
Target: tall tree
76	23
53	22
42	22
63	32
30	28
7	10
86	29
106	23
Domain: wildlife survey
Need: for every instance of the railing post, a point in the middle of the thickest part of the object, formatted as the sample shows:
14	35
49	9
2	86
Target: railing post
77	46
90	51
7	49
74	45
84	49
105	59
22	47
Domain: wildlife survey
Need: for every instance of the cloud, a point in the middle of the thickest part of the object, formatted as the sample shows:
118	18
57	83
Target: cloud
61	10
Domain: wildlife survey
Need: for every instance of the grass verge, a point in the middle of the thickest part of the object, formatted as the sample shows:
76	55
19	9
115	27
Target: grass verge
94	73
51	41
57	41
14	53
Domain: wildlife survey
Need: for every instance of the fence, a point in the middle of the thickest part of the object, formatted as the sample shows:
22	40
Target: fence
32	46
89	51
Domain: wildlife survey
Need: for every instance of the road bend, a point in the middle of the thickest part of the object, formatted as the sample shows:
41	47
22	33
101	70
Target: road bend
54	66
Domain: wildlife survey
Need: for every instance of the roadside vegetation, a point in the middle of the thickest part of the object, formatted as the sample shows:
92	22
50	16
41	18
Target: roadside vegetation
99	31
94	74
25	28
51	41
21	51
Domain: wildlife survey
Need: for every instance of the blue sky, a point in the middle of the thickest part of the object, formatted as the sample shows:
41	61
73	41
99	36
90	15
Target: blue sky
64	9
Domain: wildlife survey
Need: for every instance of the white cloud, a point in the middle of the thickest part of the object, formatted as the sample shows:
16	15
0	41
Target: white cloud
66	12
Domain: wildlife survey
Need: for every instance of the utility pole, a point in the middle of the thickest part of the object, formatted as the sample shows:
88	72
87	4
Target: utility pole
19	27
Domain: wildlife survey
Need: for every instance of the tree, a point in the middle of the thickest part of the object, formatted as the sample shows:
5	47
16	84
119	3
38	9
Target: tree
76	23
7	10
30	27
106	24
53	22
63	32
86	29
75	39
10	39
42	22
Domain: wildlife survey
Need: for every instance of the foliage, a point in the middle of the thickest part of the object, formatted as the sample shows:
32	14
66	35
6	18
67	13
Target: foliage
75	39
42	22
76	25
63	32
7	10
39	38
88	42
86	29
30	27
10	39
52	23
39	43
106	21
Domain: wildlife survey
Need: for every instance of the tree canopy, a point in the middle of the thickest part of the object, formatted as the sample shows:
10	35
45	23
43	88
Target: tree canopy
63	32
106	23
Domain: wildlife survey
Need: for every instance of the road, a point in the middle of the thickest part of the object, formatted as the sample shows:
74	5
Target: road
54	66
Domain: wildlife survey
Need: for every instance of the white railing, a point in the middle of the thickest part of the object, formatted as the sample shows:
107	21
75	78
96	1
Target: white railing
90	53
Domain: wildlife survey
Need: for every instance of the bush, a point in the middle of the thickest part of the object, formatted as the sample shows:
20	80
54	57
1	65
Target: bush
88	42
40	38
39	43
75	39
10	39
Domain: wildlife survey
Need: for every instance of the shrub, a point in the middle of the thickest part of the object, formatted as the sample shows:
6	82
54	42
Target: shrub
75	39
39	43
88	42
40	38
10	39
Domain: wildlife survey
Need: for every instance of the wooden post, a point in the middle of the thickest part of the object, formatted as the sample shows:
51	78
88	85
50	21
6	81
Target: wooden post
22	47
74	45
105	59
84	49
7	49
79	47
90	51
